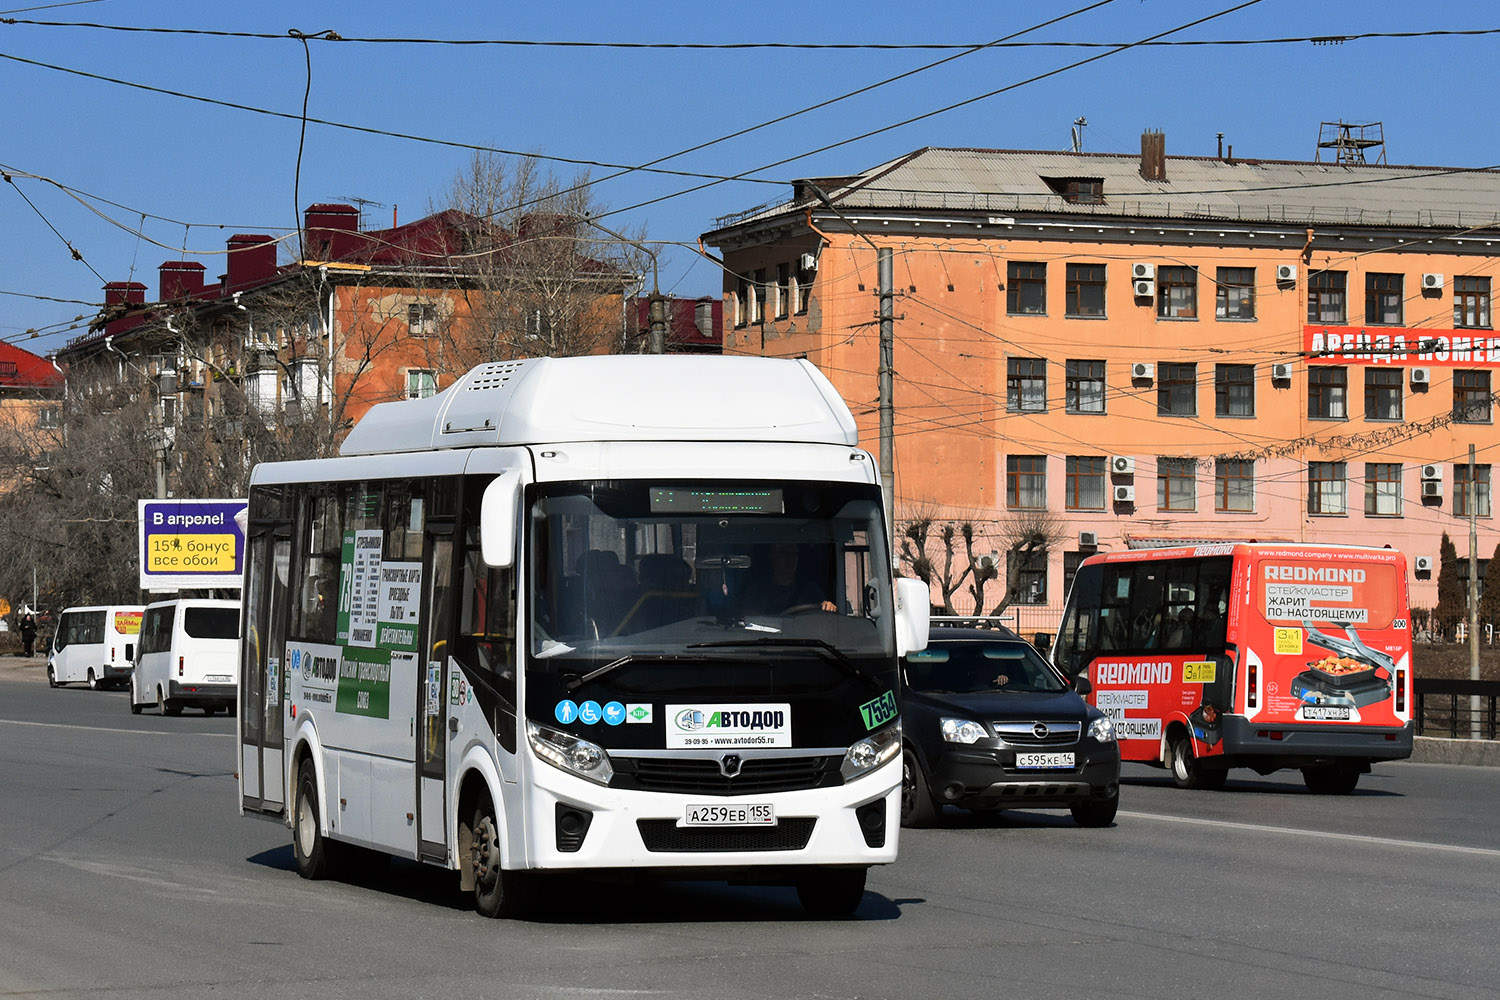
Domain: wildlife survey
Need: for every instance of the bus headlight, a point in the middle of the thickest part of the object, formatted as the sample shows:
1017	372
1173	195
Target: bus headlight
1102	730
870	752
962	731
570	753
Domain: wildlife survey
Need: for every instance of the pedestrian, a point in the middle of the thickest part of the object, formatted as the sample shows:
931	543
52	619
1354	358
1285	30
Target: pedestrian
28	633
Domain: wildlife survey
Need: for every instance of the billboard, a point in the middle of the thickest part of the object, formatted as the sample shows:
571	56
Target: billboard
192	544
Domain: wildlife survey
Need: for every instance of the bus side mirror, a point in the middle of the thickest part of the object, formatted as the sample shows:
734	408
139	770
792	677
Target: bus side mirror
913	615
497	520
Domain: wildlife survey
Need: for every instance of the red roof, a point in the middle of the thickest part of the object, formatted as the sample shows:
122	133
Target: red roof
23	370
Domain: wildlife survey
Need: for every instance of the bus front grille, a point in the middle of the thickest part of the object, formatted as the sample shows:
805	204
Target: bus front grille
665	835
704	776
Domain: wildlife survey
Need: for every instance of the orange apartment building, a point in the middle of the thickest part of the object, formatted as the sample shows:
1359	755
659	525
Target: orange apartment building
1145	350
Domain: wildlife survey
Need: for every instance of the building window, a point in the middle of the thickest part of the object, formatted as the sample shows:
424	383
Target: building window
1026	385
1031	576
1234	294
1177	292
420	383
1234	390
1326	298
1383	489
1461	490
1384	295
783	290
1085	387
1177	390
1026	288
1085	482
1471	301
758	299
1234	485
1085	291
742	304
1325	488
1482	566
1078	190
1328	391
1471	396
1383	393
1176	483
1071	562
49	418
1026	482
421	319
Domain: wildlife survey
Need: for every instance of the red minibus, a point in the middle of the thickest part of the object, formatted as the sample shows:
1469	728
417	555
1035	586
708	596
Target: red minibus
1256	655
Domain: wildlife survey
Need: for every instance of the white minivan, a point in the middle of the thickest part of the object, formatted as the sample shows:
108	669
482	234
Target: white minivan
95	644
187	656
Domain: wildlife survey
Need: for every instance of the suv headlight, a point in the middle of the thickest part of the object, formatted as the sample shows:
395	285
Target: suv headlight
869	753
570	753
962	731
1103	730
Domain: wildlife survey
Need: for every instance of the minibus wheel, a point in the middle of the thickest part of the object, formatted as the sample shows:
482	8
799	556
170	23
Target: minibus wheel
498	892
93	681
831	892
51	677
310	848
1188	772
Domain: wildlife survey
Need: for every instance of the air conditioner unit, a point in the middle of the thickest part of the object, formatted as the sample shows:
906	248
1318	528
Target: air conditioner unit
1432	487
1281	373
1088	539
1422	564
1421	376
1143	369
1122	465
1141	269
807	262
1124	494
1433	471
1286	274
1432	282
1145	288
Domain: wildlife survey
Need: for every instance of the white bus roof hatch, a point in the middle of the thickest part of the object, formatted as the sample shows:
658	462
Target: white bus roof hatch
614	398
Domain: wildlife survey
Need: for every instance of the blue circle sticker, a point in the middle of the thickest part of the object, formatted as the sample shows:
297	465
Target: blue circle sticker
614	713
566	712
590	712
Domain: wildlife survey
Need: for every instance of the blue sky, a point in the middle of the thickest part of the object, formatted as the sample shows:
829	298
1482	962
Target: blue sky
200	172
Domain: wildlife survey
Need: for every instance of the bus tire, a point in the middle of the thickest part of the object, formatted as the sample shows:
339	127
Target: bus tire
498	892
1187	772
51	677
93	680
917	807
314	853
831	892
164	706
1334	779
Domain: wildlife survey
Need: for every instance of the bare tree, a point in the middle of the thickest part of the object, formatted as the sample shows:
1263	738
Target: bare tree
954	558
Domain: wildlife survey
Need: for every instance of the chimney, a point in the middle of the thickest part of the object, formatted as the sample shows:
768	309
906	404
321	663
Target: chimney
120	296
1154	156
180	279
331	231
252	261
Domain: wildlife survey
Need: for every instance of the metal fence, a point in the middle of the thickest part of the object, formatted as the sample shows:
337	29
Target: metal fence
1457	709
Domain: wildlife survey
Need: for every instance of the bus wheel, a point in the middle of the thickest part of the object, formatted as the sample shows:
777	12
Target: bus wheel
1335	779
831	892
497	892
93	680
1187	772
313	852
135	706
917	807
51	677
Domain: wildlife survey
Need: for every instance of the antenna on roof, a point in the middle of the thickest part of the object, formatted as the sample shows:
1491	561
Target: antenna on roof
362	203
1350	141
1078	124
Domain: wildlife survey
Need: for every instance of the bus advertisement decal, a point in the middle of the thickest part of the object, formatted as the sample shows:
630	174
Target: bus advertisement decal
1138	729
707	725
1199	672
365	682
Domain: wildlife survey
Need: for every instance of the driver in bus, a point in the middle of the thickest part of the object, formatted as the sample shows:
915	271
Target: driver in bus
785	587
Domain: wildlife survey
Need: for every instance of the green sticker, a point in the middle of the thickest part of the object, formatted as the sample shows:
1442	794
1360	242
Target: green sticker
880	711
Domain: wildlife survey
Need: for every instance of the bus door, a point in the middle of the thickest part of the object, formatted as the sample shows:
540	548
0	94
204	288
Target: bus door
262	674
432	734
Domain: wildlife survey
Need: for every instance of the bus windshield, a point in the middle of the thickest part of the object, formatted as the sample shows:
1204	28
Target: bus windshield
675	568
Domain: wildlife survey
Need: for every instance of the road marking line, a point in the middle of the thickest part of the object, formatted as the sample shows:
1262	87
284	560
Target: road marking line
107	729
1324	834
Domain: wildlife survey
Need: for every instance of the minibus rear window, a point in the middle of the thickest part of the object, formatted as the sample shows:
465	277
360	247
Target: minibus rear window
211	623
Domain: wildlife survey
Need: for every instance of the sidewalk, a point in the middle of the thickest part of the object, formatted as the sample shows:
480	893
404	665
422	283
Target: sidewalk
15	667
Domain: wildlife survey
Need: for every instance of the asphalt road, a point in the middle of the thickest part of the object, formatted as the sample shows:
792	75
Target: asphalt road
125	872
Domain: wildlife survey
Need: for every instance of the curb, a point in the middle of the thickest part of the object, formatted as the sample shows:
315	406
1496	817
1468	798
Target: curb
1439	750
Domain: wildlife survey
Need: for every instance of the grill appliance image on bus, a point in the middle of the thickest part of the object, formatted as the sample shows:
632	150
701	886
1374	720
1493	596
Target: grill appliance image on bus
627	615
1265	656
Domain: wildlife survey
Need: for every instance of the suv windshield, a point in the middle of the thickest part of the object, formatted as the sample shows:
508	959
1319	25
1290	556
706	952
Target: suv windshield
672	569
965	666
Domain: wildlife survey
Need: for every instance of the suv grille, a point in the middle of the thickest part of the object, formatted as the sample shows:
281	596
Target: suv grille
701	775
787	835
1024	734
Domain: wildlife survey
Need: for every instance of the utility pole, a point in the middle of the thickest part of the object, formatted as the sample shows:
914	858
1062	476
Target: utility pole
1471	489
885	271
658	315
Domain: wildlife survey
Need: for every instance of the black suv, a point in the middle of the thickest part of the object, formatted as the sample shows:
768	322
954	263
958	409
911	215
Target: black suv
989	724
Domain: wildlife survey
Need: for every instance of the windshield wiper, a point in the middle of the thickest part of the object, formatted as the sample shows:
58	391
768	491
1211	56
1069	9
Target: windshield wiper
575	682
833	653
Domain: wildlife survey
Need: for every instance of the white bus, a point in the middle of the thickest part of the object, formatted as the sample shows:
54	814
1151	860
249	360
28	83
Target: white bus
631	615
